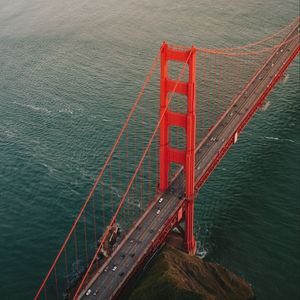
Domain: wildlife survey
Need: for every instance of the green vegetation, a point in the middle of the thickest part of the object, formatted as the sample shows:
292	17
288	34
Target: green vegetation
174	275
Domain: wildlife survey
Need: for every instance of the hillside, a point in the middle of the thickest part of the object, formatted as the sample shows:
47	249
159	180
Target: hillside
174	275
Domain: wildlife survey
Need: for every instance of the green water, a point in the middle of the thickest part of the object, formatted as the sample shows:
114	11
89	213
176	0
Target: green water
70	71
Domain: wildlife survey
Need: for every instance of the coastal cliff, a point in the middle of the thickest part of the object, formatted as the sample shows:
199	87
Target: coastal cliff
174	275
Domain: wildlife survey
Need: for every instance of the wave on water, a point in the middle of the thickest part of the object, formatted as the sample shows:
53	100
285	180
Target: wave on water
7	134
289	140
201	252
32	107
272	138
49	168
66	111
285	78
278	139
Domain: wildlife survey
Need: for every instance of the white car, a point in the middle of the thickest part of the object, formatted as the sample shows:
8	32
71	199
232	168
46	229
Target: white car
158	211
161	200
114	268
88	292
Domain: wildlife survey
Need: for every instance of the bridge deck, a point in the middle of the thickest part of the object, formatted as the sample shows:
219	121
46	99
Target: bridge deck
127	257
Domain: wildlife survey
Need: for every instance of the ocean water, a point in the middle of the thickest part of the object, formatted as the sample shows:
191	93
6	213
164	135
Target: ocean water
70	71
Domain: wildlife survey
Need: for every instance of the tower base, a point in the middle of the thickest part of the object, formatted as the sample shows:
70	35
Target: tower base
191	247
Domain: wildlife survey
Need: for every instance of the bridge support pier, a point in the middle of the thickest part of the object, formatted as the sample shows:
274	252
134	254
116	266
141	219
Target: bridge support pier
189	243
168	154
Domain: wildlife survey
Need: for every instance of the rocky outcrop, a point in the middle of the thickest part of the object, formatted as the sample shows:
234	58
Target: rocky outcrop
174	275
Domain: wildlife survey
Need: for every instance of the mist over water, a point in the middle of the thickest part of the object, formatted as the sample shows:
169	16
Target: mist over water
69	73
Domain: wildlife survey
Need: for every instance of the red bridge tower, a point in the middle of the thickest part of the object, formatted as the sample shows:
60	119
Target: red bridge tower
168	154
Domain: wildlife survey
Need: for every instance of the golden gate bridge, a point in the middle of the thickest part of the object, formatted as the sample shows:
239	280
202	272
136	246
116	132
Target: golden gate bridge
191	109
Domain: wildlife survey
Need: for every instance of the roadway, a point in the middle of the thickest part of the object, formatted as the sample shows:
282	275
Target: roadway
118	268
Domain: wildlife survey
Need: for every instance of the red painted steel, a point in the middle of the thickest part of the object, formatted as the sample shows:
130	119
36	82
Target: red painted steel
187	121
190	157
164	165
